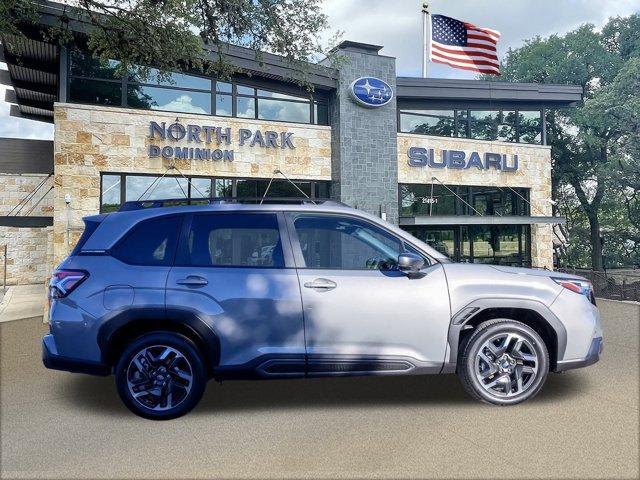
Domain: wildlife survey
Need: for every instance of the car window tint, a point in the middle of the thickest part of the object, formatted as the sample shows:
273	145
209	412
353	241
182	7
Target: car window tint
234	240
151	242
343	243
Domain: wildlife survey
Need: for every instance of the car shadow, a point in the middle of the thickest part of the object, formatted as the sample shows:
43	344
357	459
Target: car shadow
99	393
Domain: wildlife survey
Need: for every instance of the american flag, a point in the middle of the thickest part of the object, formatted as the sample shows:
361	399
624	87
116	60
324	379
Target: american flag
463	45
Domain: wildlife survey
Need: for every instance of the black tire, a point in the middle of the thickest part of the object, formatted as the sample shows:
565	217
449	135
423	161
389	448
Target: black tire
183	358
470	361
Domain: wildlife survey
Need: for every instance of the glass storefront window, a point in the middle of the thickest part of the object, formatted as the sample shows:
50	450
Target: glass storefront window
428	122
529	127
200	187
84	64
322	189
417	199
139	187
224	187
283	189
224	87
283	111
242	90
462	123
483	125
503	125
110	199
92	81
95	92
422	200
267	93
495	244
247	188
246	107
157	98
180	80
224	105
506	121
321	113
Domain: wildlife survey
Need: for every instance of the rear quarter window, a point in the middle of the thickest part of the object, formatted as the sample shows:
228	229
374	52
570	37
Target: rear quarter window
150	242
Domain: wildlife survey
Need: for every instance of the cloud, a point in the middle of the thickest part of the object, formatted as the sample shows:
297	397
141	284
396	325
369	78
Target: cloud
397	25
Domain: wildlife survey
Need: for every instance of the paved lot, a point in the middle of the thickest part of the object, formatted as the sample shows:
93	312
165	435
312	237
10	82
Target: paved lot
584	424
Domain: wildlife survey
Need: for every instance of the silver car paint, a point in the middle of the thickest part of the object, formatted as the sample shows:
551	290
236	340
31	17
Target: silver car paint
581	319
375	313
369	313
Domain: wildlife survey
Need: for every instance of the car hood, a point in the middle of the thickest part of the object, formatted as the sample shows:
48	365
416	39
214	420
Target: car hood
536	272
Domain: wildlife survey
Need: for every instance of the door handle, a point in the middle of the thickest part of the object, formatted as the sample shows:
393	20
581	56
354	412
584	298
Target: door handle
321	284
193	281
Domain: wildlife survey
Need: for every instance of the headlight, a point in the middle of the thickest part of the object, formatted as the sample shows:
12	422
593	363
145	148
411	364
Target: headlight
582	287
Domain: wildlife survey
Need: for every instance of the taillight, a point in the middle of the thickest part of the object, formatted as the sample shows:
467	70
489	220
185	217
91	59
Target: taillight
581	287
63	282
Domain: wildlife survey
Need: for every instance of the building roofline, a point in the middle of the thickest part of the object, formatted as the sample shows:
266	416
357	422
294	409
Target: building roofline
413	88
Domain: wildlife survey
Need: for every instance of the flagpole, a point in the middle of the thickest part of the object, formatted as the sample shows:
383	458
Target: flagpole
426	37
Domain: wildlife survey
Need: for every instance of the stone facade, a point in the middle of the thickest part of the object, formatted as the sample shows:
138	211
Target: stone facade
29	254
534	173
15	188
364	139
28	249
89	140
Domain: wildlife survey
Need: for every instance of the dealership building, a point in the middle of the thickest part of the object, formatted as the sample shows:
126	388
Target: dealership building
463	165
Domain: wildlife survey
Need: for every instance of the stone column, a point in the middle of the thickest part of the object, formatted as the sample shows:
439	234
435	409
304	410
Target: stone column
363	140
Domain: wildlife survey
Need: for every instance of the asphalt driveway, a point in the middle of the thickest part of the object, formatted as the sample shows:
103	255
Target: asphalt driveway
584	424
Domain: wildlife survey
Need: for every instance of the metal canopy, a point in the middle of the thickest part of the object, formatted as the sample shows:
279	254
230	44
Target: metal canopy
33	73
479	220
470	92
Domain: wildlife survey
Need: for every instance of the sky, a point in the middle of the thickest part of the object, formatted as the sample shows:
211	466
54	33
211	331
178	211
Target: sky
397	25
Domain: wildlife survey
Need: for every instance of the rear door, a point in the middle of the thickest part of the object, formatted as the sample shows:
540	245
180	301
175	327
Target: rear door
235	271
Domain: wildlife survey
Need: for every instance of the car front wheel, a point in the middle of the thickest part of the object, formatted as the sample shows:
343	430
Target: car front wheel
160	376
503	362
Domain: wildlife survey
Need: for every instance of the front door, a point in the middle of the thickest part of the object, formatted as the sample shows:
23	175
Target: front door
361	314
234	272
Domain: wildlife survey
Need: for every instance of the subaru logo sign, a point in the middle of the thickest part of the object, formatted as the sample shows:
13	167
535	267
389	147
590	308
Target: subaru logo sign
371	92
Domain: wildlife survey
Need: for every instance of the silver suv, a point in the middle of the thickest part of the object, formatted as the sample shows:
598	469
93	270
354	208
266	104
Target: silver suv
166	298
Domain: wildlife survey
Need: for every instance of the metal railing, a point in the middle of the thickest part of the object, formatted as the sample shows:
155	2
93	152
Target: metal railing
612	284
3	249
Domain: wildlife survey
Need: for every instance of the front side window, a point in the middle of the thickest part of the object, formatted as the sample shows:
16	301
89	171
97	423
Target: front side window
344	243
233	240
151	242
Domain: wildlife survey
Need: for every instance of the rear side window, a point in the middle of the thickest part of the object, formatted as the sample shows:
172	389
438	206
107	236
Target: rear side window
233	240
151	242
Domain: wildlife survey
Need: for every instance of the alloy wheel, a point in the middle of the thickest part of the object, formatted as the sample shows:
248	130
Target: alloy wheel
159	377
506	364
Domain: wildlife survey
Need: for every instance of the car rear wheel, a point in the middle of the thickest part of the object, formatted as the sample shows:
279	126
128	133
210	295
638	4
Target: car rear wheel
503	362
160	376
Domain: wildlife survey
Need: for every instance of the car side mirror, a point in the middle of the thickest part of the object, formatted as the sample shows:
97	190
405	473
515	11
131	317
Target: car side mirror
410	262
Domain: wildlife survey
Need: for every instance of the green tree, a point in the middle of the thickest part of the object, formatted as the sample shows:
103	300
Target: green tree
172	35
594	146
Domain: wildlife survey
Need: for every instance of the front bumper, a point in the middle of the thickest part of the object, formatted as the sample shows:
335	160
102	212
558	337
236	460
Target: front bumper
593	355
52	360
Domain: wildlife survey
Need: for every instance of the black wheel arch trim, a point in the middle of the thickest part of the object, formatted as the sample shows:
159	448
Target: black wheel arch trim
471	310
156	319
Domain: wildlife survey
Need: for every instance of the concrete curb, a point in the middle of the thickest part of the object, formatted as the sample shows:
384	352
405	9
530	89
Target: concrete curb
22	301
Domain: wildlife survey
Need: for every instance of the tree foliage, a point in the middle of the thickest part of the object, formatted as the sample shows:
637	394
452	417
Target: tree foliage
595	147
171	35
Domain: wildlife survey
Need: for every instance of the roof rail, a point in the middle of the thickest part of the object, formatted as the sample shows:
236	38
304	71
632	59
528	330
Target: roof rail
176	202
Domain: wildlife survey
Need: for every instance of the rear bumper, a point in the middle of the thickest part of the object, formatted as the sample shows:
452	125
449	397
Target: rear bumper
595	350
52	360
